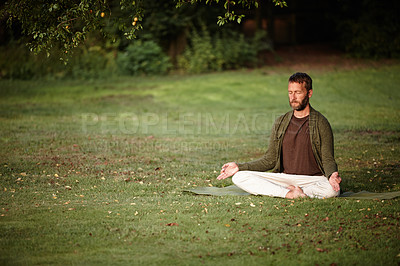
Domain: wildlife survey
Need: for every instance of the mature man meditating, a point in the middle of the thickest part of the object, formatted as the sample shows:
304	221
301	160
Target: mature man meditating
300	153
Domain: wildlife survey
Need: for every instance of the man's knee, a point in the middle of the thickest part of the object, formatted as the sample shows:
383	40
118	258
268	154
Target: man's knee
241	176
329	192
332	193
321	190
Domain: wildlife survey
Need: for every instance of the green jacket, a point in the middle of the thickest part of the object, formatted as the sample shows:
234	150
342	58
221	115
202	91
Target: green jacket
321	142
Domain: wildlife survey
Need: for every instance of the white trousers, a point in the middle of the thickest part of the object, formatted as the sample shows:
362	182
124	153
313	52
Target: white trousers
275	184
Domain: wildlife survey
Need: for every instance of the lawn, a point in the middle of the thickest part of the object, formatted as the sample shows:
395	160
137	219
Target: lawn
94	172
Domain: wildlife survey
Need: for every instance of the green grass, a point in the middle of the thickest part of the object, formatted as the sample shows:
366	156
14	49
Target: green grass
93	172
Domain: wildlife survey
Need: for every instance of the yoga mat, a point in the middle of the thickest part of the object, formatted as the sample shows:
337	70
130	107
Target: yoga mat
233	190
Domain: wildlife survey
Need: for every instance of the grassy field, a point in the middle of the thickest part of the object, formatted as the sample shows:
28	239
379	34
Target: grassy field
94	172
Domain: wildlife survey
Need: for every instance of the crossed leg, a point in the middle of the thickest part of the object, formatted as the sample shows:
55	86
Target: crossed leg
284	185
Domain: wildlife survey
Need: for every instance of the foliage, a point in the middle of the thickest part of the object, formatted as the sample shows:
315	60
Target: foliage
200	56
66	24
143	57
230	14
88	175
370	29
226	50
92	62
163	22
16	62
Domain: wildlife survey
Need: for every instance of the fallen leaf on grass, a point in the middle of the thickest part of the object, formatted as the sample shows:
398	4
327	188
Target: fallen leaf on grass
339	230
172	224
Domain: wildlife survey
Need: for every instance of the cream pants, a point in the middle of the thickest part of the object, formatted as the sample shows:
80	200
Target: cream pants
275	184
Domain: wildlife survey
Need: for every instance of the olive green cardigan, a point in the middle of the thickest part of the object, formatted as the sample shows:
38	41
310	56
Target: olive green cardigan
321	143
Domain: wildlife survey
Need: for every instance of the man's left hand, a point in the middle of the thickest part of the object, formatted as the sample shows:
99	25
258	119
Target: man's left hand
334	180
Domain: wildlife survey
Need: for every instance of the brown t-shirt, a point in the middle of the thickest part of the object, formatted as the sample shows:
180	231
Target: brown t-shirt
297	155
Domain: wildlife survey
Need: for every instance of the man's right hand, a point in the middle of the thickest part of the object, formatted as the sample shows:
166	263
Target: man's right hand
335	180
228	170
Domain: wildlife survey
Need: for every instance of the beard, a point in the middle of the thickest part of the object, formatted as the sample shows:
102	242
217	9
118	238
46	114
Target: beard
302	105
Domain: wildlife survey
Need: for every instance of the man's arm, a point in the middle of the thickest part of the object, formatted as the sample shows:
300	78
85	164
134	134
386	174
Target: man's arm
265	163
270	159
327	148
328	159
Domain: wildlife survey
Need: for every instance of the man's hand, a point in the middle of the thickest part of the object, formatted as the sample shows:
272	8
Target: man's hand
334	180
228	169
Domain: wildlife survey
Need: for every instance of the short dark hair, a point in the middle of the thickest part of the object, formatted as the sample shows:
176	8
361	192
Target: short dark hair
301	78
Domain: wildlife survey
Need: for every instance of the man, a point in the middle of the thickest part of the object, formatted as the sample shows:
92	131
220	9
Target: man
300	153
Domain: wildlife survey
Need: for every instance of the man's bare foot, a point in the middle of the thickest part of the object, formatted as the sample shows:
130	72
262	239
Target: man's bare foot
295	192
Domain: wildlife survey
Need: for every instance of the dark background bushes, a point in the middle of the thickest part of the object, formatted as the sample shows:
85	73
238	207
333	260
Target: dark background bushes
143	57
188	39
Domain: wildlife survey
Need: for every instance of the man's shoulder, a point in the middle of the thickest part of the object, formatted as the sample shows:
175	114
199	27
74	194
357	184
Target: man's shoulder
285	116
319	120
314	114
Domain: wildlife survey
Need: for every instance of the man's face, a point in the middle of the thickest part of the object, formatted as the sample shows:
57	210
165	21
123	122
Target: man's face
298	96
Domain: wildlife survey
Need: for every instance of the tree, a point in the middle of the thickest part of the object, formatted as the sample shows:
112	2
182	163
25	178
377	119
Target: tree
65	24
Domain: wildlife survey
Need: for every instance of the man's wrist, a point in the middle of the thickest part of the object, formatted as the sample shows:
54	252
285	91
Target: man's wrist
242	166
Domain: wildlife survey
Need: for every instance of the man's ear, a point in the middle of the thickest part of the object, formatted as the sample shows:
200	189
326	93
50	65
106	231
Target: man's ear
310	93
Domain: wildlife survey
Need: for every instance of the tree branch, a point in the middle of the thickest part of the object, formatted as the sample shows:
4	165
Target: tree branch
72	19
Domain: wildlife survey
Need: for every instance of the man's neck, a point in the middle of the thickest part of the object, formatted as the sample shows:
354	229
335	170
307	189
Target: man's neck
303	113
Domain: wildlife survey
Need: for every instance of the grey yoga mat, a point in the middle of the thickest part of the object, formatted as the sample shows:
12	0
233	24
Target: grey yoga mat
236	191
